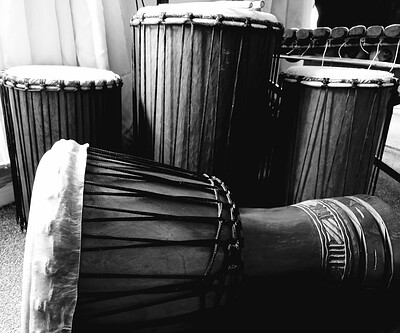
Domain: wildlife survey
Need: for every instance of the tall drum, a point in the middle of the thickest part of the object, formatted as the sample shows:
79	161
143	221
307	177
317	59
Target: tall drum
43	104
115	242
203	77
331	126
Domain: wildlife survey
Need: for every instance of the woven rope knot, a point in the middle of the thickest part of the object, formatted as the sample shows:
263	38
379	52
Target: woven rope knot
219	18
325	81
355	83
189	16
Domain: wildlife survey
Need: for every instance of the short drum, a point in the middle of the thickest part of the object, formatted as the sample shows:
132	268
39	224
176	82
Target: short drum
44	103
330	129
203	79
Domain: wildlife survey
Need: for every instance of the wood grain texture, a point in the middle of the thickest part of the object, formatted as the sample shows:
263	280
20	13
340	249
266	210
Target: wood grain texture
329	138
36	119
202	99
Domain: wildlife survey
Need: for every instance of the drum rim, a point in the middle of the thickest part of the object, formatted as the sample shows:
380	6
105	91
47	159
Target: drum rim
311	78
324	80
318	82
49	84
212	13
200	19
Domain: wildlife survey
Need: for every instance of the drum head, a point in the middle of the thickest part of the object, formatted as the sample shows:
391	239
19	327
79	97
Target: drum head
340	76
53	75
225	12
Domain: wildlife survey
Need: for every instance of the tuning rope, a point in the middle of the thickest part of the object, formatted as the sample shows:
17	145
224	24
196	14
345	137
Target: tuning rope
395	57
362	41
375	56
327	44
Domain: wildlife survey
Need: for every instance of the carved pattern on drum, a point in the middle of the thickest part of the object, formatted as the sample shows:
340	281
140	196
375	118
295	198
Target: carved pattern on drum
335	251
384	232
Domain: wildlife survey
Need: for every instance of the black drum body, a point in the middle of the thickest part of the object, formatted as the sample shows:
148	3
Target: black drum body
134	244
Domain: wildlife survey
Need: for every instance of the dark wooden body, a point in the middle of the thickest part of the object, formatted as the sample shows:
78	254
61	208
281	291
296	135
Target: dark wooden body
36	117
329	137
204	98
285	288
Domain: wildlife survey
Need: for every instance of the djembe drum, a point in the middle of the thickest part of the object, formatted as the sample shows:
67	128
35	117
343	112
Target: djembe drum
203	78
123	243
331	125
154	243
43	104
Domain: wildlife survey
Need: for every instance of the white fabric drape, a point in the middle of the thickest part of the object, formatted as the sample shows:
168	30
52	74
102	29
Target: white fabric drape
69	32
57	201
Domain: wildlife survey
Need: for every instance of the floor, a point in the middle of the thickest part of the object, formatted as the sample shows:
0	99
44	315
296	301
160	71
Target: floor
12	242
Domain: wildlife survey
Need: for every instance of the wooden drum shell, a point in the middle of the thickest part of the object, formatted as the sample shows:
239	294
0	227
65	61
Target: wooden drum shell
39	112
203	95
329	135
177	256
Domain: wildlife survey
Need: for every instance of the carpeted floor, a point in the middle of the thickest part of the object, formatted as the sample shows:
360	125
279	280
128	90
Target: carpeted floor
12	242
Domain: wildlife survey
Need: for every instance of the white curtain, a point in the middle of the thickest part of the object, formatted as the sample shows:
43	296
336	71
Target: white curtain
70	32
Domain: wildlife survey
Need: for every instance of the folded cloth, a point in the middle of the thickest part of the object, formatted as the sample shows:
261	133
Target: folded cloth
53	240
